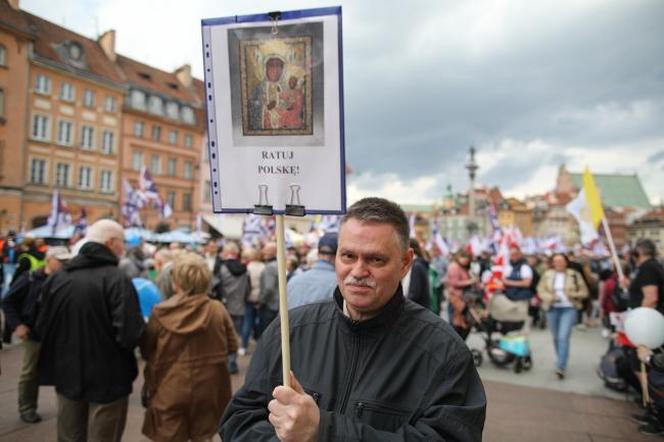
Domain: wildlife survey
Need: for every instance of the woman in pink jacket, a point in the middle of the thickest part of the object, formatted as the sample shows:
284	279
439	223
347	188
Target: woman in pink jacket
459	279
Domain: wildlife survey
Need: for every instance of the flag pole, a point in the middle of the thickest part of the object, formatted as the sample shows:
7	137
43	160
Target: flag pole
612	248
283	301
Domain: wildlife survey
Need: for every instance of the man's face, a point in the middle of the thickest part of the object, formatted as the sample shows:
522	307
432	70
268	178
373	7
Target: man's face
117	245
515	254
211	248
369	265
53	265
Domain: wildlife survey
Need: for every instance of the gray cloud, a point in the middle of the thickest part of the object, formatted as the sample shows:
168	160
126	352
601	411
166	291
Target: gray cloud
593	79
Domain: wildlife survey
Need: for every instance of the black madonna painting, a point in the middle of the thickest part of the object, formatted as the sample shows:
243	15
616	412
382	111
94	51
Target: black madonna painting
277	80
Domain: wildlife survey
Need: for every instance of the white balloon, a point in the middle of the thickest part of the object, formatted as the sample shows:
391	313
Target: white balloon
645	326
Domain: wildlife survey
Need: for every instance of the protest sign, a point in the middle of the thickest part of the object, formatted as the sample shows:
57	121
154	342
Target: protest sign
274	99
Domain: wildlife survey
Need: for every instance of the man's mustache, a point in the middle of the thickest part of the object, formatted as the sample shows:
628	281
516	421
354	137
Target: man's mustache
360	282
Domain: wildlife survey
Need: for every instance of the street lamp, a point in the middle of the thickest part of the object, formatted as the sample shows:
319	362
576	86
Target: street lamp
472	167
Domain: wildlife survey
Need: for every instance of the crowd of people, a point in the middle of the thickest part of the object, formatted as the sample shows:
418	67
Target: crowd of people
378	320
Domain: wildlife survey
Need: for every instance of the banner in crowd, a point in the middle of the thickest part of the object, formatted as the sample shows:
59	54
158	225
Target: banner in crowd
274	98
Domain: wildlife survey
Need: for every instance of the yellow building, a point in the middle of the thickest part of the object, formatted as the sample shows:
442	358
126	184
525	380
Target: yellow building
15	38
72	114
163	127
78	118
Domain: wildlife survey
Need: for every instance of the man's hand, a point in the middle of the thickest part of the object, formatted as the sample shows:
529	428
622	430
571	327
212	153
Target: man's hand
643	353
624	282
22	332
293	413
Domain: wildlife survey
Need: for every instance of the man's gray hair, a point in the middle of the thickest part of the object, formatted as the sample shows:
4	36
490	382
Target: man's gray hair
103	230
380	210
232	248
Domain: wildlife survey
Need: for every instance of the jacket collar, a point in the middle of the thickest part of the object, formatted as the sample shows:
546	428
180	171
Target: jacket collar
386	317
92	254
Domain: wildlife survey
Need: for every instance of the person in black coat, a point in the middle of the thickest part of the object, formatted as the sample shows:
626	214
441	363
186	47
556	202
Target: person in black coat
419	287
20	307
89	324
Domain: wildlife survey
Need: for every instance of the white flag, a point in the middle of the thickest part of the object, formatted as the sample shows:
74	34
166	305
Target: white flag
580	209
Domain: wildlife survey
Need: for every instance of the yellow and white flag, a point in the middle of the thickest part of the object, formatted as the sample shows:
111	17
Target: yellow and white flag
587	209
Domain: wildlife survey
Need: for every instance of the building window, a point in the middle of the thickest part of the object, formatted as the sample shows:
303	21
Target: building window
186	201
188	115
137	160
155	165
108	142
87	137
139	128
172	165
156	132
2	105
106	181
43	84
89	98
38	171
173	136
65	132
137	99
156	105
75	51
62	175
207	197
172	110
109	104
85	178
67	92
188	170
41	127
170	199
188	141
3	56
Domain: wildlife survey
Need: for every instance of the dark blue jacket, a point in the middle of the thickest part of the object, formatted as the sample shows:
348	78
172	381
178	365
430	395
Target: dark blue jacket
518	293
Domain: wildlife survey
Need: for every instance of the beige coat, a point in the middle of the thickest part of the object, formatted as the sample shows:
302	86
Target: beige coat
575	288
185	346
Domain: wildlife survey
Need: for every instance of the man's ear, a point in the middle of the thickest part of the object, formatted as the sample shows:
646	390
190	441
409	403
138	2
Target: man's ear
407	261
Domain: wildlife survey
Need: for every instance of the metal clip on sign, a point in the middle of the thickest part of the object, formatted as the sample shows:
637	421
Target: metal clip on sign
263	207
295	208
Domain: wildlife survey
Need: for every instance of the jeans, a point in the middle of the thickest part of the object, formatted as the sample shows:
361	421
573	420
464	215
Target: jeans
9	270
266	316
250	323
232	357
561	320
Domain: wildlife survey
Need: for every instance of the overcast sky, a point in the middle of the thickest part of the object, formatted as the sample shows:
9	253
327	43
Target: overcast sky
532	84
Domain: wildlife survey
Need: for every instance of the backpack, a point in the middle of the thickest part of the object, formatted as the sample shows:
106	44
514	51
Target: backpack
620	298
608	369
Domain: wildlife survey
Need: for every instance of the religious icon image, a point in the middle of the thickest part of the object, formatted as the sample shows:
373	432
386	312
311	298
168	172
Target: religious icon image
275	92
278	81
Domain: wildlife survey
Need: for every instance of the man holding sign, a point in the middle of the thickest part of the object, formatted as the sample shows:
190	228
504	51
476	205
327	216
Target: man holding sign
367	365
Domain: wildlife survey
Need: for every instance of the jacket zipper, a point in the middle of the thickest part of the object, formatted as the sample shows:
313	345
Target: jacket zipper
349	382
359	408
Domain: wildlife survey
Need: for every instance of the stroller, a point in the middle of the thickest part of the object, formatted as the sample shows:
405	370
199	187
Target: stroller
511	346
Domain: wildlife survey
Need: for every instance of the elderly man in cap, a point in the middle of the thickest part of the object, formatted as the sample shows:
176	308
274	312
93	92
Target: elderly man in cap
318	283
89	324
20	306
368	364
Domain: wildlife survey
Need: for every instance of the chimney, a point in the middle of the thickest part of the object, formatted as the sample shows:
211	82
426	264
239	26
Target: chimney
14	4
183	74
107	43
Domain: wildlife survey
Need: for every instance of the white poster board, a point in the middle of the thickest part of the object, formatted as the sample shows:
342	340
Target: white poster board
274	99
